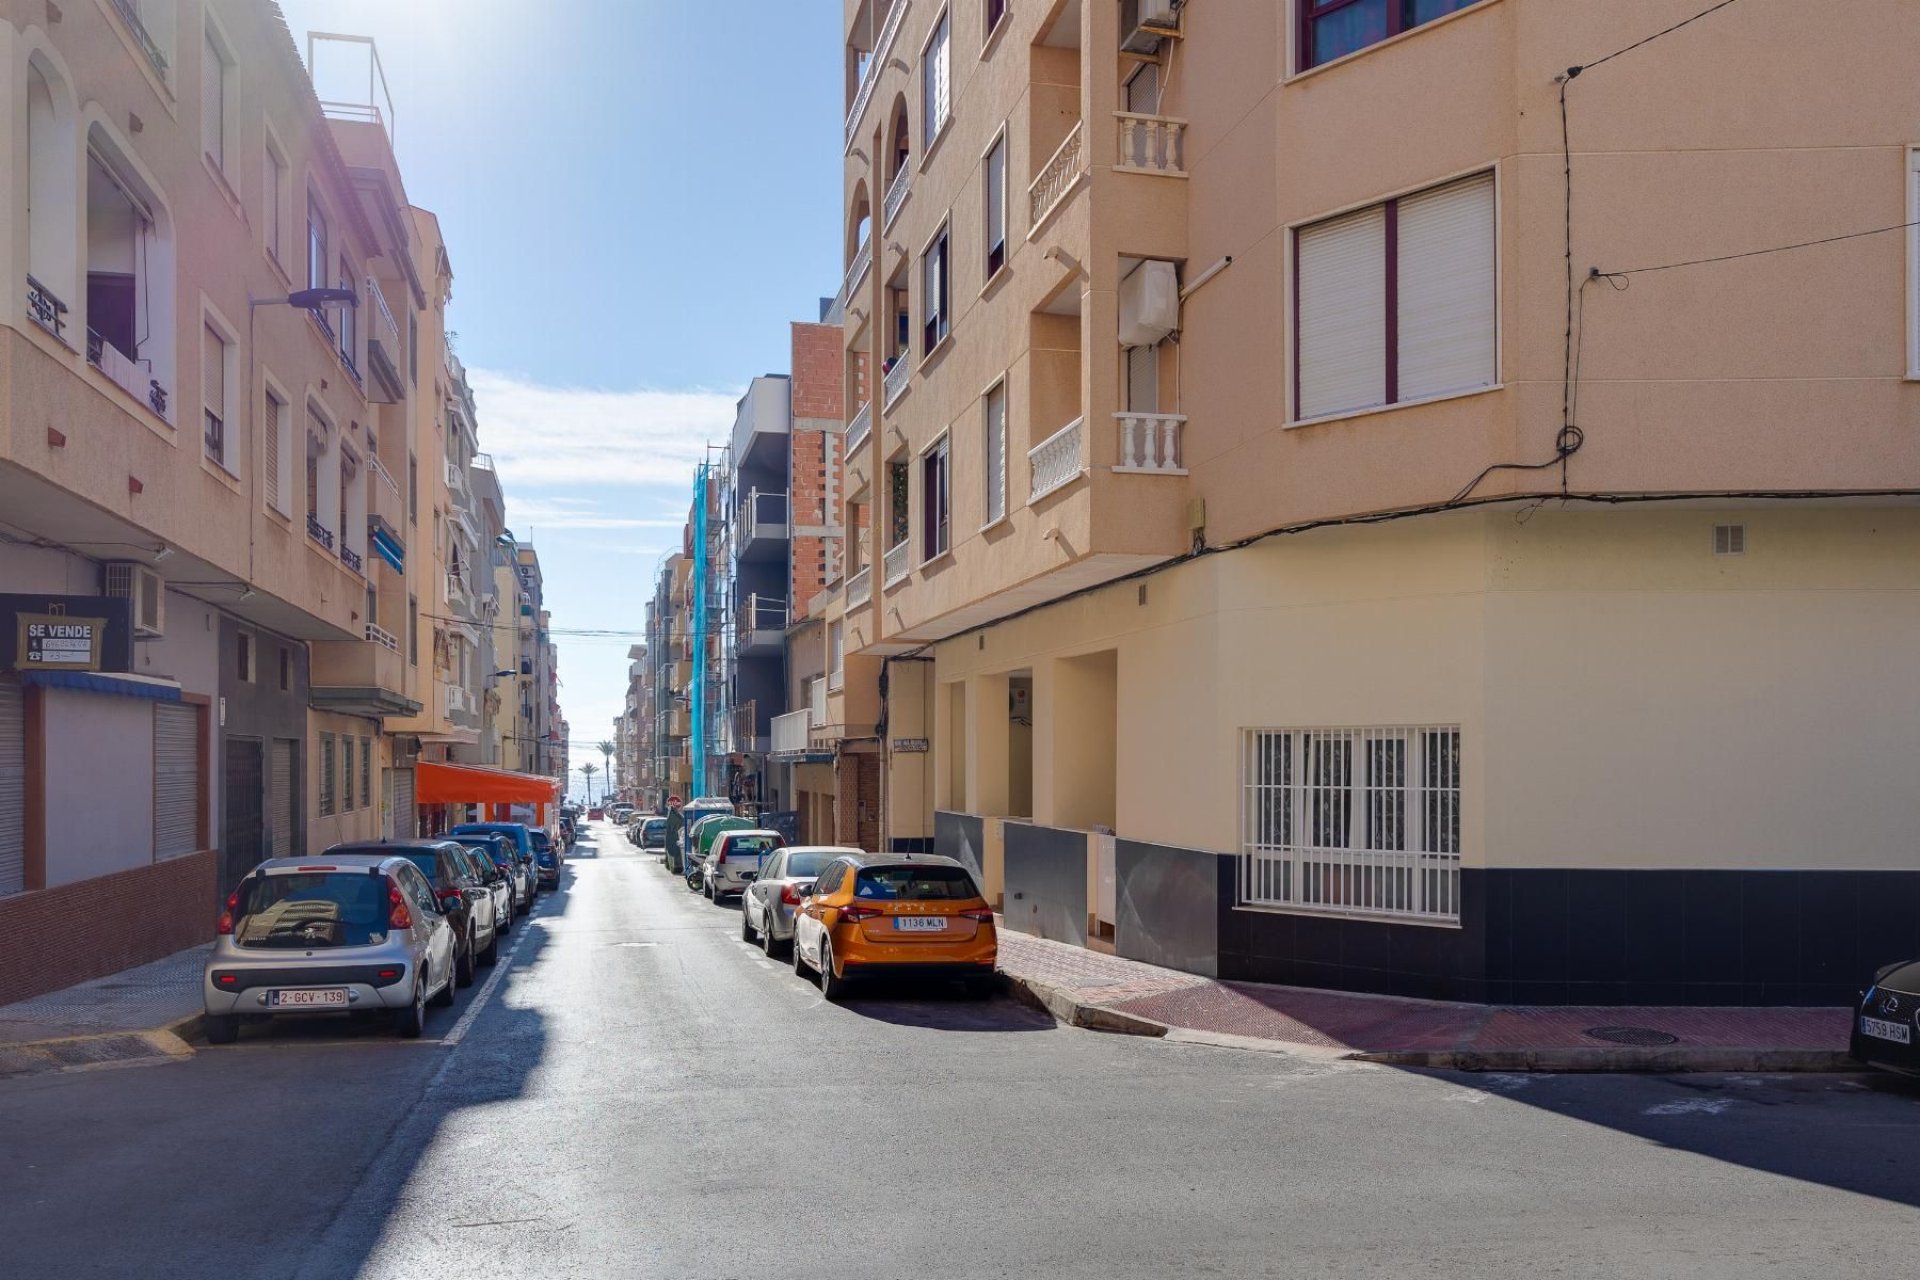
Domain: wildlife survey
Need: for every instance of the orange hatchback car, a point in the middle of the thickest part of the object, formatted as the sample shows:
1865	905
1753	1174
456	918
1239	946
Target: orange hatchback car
917	915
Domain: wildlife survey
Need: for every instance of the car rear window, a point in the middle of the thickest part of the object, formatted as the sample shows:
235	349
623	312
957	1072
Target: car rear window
307	910
654	827
914	884
751	846
807	864
428	862
540	840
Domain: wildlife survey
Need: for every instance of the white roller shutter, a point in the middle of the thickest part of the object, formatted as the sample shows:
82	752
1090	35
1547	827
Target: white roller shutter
281	807
402	814
13	790
1447	289
176	779
1343	314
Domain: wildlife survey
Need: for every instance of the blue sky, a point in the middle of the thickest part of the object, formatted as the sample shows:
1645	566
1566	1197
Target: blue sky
637	197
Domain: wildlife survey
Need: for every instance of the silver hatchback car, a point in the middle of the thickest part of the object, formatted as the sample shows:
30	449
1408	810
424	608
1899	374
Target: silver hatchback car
768	904
332	934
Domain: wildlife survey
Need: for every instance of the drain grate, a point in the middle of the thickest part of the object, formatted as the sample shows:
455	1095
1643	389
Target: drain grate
1639	1037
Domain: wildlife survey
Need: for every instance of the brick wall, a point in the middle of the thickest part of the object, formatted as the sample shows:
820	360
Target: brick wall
857	776
819	396
819	372
53	938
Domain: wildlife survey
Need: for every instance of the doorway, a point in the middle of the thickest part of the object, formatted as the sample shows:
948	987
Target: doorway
242	837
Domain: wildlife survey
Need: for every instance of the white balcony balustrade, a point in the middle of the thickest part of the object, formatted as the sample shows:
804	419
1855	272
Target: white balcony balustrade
1056	461
1057	177
856	272
791	732
897	192
1151	144
871	76
1150	442
860	588
860	428
898	374
895	564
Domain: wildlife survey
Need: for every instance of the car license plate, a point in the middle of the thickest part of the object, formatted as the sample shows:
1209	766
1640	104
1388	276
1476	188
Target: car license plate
1898	1032
920	924
325	998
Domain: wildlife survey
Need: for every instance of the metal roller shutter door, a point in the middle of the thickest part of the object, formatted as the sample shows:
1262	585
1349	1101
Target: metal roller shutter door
13	790
176	779
403	815
281	803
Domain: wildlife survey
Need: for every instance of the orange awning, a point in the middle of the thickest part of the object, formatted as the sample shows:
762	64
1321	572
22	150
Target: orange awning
471	784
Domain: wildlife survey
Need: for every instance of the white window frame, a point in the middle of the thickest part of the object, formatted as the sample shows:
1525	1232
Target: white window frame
283	431
232	405
931	129
942	236
277	195
1366	845
1913	263
987	482
216	43
941	444
998	143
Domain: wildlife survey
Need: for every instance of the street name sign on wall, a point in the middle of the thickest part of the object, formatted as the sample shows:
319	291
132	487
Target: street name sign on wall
909	744
59	642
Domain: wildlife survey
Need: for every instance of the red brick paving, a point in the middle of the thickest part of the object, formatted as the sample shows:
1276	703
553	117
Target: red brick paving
1335	1020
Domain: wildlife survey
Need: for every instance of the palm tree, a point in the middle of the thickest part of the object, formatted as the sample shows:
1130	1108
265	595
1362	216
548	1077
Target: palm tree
589	770
606	749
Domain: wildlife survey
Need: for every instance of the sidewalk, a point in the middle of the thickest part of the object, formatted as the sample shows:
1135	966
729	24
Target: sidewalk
1090	989
135	1015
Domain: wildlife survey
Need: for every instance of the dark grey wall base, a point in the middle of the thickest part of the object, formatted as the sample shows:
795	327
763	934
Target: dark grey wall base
962	837
1167	906
1046	882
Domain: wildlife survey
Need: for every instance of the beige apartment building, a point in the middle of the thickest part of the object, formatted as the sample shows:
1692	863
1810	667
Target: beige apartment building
1323	524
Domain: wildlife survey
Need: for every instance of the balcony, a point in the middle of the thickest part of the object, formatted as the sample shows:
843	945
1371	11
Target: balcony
361	677
46	310
462	707
1150	443
126	373
897	192
895	566
458	594
761	533
353	559
385	349
871	76
793	738
129	11
1056	461
763	626
1058	178
860	588
856	272
319	532
1151	144
456	478
898	374
859	429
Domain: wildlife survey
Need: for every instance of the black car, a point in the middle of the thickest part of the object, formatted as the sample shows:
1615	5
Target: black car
1887	1023
464	899
500	849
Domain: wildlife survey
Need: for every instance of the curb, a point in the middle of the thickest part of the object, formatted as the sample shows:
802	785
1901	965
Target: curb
1670	1061
1076	1013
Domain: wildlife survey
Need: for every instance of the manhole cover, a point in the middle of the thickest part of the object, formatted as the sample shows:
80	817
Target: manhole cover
1639	1037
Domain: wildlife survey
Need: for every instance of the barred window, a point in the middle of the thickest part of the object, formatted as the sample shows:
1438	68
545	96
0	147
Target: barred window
1353	821
326	775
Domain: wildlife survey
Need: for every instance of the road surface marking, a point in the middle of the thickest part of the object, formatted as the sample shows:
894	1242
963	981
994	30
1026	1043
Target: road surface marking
500	968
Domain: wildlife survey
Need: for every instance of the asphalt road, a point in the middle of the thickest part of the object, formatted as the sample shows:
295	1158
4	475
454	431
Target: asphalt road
639	1094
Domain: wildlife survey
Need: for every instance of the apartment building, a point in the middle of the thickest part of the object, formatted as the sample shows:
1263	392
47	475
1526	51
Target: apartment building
1333	526
540	729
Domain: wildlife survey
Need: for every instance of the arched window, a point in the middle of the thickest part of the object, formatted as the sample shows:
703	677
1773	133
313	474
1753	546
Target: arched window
130	330
859	220
52	254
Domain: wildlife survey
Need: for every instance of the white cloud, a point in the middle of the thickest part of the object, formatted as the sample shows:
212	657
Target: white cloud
546	512
575	435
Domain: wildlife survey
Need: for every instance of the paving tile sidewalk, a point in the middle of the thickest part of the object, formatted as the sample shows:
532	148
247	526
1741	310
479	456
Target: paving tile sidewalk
139	1013
1092	989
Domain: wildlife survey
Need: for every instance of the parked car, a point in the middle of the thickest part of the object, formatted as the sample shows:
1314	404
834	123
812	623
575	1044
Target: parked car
650	833
878	914
335	934
490	860
518	832
464	899
621	814
768	906
519	874
568	831
1887	1019
734	861
546	860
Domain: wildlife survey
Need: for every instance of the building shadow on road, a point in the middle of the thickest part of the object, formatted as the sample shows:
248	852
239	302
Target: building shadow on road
1865	1138
941	1007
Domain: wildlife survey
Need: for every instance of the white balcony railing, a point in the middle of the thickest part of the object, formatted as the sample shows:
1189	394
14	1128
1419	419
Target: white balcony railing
1151	442
456	478
383	637
791	731
897	191
856	272
386	328
765	613
897	376
871	77
1057	177
859	428
817	699
1056	460
895	565
1152	144
860	588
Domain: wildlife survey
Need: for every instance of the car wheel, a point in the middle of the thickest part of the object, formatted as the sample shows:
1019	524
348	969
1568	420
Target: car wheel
832	986
463	966
505	922
799	961
411	1020
746	924
492	954
706	887
768	942
223	1028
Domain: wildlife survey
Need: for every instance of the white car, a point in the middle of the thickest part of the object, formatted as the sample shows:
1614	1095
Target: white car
767	907
734	861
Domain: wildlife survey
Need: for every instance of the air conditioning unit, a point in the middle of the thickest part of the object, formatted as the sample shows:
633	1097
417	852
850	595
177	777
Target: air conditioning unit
1145	23
131	580
1149	304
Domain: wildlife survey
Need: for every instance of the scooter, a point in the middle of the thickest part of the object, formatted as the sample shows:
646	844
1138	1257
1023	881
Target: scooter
696	875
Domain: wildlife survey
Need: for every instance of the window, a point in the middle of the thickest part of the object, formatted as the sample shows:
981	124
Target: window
995	11
1354	821
413	630
286	669
836	652
216	71
276	432
214	360
366	772
1913	263
326	775
994	182
273	219
346	773
935	500
413	490
1396	302
1143	379
935	321
935	84
243	658
897	504
995	453
1332	29
348	344
316	246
